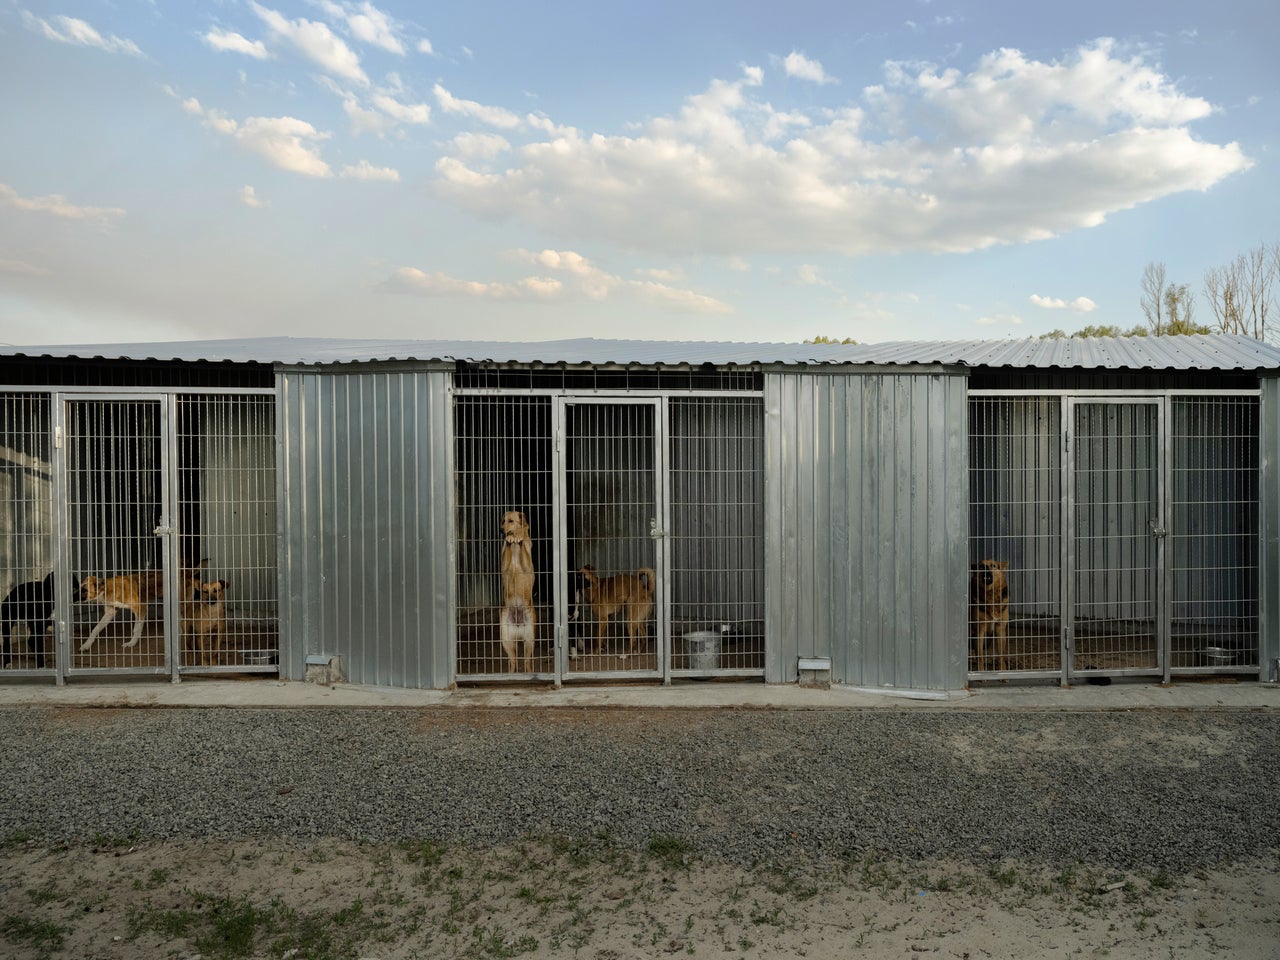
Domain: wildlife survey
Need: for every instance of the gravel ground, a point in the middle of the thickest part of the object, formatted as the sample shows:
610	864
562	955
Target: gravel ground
1175	791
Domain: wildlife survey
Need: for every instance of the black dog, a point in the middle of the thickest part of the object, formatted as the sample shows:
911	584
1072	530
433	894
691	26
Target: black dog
30	603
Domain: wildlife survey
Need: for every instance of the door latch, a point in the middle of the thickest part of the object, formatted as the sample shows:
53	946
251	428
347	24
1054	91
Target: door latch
654	532
1157	530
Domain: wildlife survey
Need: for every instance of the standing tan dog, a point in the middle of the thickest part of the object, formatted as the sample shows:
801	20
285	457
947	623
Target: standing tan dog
518	621
630	594
127	591
204	617
989	610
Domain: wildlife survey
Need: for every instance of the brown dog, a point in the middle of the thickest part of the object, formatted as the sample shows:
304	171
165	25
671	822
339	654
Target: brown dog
204	617
989	610
518	621
128	591
630	594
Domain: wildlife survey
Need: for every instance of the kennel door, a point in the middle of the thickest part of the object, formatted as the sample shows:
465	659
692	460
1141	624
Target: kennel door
612	521
117	481
1117	530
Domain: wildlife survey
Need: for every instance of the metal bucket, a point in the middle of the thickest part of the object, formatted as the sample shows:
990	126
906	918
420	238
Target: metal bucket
704	649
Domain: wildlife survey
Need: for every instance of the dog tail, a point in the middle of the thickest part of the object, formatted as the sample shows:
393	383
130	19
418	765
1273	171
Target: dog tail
647	579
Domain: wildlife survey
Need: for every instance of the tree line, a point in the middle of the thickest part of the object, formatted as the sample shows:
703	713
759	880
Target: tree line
1241	296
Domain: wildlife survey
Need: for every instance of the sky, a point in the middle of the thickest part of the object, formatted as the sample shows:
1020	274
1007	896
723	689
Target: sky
747	171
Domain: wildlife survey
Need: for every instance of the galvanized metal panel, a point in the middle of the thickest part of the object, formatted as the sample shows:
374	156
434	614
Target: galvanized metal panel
366	471
1202	352
866	529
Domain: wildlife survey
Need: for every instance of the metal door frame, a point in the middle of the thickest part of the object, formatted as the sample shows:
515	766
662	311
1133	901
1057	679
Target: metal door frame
1158	527
165	531
658	526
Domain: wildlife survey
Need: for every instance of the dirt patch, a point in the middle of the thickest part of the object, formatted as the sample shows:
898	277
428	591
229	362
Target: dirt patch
550	897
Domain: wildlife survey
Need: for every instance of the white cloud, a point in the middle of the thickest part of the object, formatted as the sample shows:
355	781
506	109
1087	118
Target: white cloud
424	46
370	25
56	205
364	170
78	33
796	64
935	160
249	197
366	121
413	280
483	146
316	42
584	280
1078	305
227	41
285	142
404	112
597	284
999	320
493	116
811	276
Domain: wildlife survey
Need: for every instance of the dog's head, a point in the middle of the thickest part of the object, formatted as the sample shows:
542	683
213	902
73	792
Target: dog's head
212	591
90	588
989	574
515	526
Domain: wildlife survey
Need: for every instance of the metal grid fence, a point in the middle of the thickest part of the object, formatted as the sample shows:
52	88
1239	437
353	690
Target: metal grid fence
1214	532
169	511
502	462
1158	497
717	535
26	532
1015	518
646	528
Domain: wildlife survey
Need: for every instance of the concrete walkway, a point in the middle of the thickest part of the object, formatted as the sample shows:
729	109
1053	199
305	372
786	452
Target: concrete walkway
1189	694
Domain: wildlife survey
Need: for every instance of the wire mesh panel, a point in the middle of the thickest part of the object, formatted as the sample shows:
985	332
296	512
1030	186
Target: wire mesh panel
717	535
1214	533
1117	520
503	465
27	582
116	506
228	607
1015	534
612	513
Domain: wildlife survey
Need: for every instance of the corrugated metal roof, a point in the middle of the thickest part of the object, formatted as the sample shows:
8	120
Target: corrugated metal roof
1215	352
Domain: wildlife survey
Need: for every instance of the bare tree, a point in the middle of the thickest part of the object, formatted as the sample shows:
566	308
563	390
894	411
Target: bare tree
1153	296
1242	293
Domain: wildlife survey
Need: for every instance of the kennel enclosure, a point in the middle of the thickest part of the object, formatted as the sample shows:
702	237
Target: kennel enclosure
798	504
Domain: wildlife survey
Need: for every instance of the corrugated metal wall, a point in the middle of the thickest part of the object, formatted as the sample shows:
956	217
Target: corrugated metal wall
365	478
1269	485
867	526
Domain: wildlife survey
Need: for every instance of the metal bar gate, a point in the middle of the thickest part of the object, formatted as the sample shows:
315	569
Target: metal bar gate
1122	532
138	532
642	520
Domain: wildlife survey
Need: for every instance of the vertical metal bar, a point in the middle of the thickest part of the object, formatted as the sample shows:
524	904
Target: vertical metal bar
560	540
1164	573
62	632
662	512
167	534
1066	572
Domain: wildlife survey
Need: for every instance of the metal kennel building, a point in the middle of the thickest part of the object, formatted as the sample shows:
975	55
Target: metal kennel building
805	510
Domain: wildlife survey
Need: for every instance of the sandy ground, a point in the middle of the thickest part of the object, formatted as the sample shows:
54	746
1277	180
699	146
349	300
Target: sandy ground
594	900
